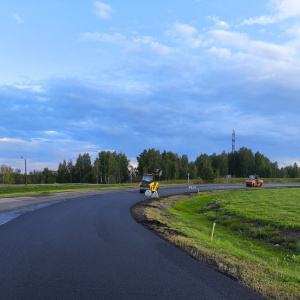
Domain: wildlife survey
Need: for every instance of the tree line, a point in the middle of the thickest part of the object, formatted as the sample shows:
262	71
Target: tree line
108	167
239	163
112	167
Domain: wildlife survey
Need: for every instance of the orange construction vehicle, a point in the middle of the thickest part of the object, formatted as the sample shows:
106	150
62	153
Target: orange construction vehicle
253	180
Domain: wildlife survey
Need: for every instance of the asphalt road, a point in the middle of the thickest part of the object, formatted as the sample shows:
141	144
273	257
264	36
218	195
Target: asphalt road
91	248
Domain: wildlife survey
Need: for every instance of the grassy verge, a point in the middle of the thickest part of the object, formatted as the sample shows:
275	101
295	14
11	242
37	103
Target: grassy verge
222	180
256	239
31	190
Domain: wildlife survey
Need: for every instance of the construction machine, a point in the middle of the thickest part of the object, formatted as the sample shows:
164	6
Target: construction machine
149	186
254	180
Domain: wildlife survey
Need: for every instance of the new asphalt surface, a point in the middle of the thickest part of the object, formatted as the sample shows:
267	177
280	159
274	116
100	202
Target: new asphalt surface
90	247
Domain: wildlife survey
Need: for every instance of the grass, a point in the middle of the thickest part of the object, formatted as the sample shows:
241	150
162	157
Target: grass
233	180
31	190
256	238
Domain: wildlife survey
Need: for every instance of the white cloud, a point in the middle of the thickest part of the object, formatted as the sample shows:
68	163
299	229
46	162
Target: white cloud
287	161
52	132
160	49
228	38
42	99
103	10
186	34
103	37
263	20
16	145
12	140
30	87
243	43
219	23
91	147
287	9
282	10
185	30
272	51
294	31
17	18
117	38
223	53
156	47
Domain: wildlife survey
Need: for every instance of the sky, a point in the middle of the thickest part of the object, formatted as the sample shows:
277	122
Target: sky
176	75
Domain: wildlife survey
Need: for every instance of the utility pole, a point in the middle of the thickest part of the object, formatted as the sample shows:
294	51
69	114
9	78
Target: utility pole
25	170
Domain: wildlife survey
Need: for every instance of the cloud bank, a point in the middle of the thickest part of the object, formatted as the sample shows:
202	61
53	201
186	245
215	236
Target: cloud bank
183	88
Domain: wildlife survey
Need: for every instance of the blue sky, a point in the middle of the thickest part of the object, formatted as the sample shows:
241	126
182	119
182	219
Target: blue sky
85	76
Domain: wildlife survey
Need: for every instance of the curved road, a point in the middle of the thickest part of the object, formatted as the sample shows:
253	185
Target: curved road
91	248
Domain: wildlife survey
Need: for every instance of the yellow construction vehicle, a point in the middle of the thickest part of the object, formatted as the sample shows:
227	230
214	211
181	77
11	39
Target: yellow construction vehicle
153	186
149	185
253	180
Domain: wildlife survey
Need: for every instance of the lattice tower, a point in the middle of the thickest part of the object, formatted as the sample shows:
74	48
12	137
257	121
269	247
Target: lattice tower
233	141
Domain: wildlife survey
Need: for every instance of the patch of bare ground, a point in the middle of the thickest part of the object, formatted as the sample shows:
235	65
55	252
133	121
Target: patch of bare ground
292	234
139	214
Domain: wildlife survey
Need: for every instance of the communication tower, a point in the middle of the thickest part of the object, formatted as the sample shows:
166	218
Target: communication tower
233	141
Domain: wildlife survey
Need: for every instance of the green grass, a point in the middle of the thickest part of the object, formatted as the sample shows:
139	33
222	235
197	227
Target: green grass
233	180
256	238
266	215
31	190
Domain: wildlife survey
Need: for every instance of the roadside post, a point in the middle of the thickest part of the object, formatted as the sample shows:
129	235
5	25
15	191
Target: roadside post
213	230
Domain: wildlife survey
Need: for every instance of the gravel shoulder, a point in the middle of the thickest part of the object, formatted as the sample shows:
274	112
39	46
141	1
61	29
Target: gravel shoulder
13	207
8	204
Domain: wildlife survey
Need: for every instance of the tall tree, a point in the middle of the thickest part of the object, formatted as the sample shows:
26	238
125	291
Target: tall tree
193	170
291	171
79	166
48	176
35	177
62	173
7	174
111	166
170	165
245	164
19	177
149	161
123	165
184	166
223	164
232	163
275	171
71	170
87	168
205	169
96	170
220	163
263	166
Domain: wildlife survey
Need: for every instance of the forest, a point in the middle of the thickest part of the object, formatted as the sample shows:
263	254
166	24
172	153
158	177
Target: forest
112	167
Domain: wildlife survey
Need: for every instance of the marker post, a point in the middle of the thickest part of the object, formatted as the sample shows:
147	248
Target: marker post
213	230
